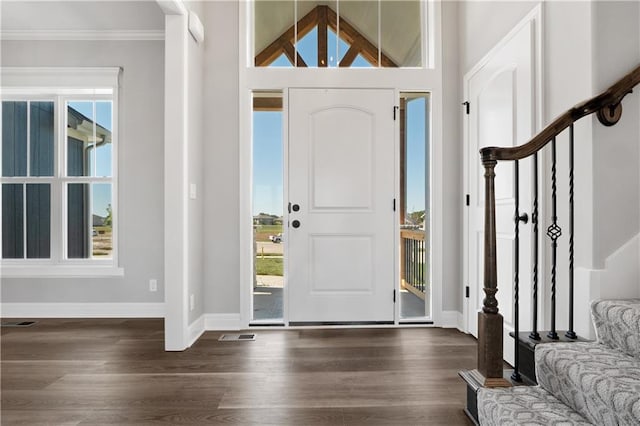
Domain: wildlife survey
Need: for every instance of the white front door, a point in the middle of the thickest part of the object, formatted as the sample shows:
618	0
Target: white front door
341	264
502	104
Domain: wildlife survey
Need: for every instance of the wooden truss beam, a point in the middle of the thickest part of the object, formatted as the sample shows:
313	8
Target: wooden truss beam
323	17
267	104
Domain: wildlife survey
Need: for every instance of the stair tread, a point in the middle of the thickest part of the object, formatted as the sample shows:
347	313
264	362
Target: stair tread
600	383
524	405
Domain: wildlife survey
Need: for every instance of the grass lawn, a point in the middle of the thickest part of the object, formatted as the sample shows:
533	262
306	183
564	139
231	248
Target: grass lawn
269	266
263	231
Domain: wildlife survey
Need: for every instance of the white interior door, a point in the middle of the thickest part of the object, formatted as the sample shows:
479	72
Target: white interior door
501	95
341	189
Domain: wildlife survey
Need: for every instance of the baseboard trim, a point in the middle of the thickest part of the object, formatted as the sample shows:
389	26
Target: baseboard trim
222	322
196	329
452	319
82	310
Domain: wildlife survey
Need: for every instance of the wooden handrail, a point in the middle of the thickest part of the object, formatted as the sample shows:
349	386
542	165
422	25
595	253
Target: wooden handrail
412	234
606	105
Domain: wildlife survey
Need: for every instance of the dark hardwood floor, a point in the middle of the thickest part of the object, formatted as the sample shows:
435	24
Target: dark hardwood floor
68	372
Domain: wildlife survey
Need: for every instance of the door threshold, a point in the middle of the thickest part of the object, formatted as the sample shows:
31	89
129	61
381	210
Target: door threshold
332	323
266	324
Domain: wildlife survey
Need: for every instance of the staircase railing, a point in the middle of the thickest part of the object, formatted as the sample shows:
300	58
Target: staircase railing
608	109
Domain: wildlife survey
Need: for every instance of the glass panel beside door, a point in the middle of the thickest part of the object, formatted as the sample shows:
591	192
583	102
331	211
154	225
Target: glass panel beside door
415	286
267	208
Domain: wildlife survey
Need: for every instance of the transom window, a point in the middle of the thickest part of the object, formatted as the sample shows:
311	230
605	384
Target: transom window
58	176
342	33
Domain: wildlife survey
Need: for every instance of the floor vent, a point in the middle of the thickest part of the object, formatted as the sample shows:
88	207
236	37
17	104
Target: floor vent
236	337
18	324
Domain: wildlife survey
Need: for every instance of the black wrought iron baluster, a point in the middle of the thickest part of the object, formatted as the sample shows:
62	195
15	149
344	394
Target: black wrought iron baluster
408	261
419	286
571	334
554	232
534	222
516	268
413	262
423	263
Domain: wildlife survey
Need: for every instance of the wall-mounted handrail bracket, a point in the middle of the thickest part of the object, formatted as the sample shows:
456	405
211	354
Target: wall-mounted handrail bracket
610	115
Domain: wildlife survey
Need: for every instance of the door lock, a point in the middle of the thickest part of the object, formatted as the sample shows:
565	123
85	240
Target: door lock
295	224
296	207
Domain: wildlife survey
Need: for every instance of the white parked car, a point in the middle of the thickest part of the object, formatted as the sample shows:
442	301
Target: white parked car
276	238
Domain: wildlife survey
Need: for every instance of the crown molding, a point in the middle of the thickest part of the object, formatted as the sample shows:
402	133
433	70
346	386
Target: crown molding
82	35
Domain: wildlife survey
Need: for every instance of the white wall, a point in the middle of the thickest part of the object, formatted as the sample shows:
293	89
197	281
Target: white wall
195	169
452	146
140	167
616	189
221	155
184	181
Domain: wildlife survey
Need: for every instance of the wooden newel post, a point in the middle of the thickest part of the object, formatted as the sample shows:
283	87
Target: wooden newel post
490	322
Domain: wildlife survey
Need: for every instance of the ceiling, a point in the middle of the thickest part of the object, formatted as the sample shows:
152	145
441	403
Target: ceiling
81	15
400	23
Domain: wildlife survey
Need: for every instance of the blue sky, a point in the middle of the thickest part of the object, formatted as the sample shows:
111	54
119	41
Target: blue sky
103	116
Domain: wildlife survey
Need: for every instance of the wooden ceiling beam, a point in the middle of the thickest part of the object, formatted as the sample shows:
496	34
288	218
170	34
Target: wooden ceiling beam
306	23
352	36
350	56
267	104
291	54
323	57
279	46
270	53
323	17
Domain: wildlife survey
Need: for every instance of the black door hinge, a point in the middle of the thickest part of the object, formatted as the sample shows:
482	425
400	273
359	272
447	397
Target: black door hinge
467	199
466	292
466	106
394	296
289	207
394	204
395	109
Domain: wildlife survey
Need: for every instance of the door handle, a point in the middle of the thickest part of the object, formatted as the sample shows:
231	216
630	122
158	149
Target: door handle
295	224
524	218
296	207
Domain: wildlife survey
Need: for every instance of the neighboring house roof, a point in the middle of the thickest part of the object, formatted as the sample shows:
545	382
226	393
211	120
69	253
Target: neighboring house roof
98	220
83	128
265	216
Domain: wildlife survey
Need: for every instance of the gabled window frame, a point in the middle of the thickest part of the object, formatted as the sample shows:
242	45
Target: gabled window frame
324	17
61	86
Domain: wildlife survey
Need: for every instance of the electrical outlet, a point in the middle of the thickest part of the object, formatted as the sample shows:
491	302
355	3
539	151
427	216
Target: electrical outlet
153	285
192	302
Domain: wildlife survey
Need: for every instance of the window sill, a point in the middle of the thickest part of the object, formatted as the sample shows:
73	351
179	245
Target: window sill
64	271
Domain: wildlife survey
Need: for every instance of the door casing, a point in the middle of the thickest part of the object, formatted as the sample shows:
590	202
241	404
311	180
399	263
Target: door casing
531	24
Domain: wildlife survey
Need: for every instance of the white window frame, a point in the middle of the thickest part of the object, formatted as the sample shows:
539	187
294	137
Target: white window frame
63	85
429	35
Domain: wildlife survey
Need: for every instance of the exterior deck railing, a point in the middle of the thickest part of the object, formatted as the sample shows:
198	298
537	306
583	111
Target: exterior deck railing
413	261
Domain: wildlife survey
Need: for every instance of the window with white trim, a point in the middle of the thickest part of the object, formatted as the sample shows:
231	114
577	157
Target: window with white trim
59	170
